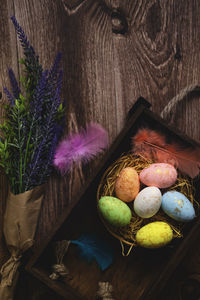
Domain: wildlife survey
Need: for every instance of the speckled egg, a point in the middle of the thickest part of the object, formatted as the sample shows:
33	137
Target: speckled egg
115	211
160	175
127	185
154	235
147	202
177	206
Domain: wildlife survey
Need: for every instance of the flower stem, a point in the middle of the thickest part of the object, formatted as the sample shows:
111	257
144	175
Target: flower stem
21	172
20	154
27	148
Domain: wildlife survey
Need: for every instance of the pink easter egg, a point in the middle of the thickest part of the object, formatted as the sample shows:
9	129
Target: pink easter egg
160	175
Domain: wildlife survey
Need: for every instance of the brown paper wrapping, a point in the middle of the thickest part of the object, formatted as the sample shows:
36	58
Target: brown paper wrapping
20	222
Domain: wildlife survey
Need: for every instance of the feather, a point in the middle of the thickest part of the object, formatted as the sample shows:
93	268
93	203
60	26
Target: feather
93	247
152	145
80	147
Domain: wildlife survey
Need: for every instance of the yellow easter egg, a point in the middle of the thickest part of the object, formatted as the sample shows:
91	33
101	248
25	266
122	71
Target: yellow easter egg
154	235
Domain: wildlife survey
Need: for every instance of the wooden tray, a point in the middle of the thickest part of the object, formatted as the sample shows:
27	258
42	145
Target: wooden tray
143	273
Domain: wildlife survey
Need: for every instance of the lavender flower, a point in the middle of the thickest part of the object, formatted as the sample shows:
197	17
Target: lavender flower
53	71
9	96
31	62
34	119
35	167
59	80
49	159
37	100
15	87
29	51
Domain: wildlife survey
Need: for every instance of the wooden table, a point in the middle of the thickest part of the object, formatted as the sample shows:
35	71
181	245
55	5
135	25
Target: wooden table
113	52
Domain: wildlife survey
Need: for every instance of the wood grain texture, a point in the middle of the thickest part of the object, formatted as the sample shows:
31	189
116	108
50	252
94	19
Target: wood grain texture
113	52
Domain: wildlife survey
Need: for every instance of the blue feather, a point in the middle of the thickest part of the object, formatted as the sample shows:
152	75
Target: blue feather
92	247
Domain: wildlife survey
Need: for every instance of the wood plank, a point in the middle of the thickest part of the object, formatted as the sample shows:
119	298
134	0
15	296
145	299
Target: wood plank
8	60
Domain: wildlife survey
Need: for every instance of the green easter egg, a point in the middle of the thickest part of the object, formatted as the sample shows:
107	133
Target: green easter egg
115	211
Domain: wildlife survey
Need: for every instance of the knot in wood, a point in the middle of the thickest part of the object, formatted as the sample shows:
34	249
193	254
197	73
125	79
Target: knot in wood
119	22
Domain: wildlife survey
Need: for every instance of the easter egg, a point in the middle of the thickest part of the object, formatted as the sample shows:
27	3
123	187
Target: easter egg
127	185
148	202
115	211
154	235
177	206
160	175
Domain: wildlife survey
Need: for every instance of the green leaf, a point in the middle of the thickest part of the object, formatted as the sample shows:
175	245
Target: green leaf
22	61
13	145
17	103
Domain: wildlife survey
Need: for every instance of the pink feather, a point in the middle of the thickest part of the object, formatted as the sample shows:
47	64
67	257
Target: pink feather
80	147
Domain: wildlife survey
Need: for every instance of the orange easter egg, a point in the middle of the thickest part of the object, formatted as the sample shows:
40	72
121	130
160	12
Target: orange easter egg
127	185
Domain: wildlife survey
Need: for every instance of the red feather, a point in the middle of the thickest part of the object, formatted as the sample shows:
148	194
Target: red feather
152	145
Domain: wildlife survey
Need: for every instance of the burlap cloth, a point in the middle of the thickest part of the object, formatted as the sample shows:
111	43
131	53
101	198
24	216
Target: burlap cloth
19	226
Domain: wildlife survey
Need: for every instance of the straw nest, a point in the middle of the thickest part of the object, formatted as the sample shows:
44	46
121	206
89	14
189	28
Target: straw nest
127	234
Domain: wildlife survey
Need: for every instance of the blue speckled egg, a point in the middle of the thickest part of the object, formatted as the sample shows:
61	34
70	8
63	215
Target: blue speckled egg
177	206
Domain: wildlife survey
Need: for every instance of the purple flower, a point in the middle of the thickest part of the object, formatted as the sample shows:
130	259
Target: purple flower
15	87
54	70
31	62
9	96
35	118
37	100
23	38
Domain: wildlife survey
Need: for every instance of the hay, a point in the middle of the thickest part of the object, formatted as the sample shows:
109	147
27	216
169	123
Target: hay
127	234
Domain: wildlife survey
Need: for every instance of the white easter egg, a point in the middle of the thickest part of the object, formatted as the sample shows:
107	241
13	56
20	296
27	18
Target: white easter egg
147	203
